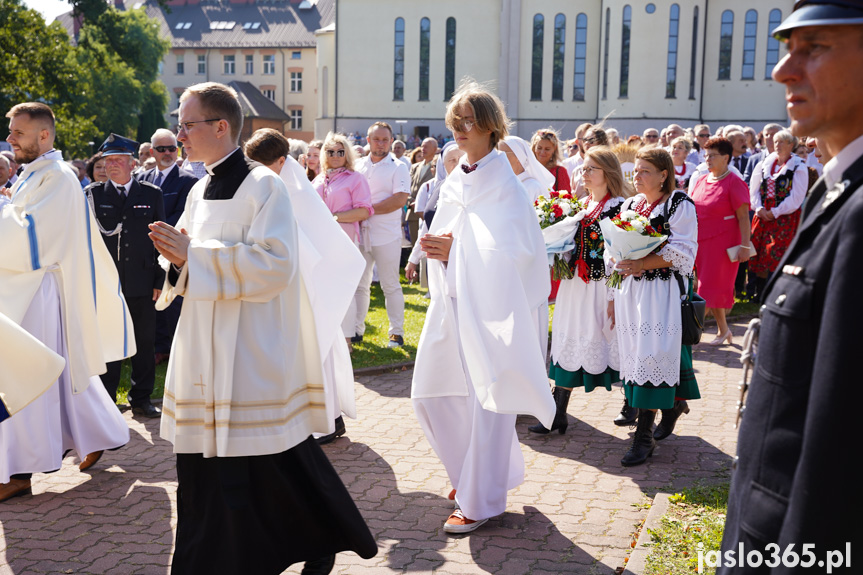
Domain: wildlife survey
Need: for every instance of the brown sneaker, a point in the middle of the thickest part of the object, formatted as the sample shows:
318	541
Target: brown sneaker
14	488
458	523
90	460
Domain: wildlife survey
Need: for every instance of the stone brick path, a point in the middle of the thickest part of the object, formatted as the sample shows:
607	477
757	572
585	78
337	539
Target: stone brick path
575	513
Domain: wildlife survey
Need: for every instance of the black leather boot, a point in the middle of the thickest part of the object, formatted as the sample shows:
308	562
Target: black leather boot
627	415
560	423
643	443
321	566
669	419
340	430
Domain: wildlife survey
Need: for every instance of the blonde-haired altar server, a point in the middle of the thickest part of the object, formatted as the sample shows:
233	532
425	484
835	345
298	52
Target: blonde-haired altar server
59	284
479	361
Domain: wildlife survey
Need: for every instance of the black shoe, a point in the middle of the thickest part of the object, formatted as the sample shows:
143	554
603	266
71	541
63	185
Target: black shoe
146	410
321	566
358	338
560	423
340	430
643	443
669	419
627	415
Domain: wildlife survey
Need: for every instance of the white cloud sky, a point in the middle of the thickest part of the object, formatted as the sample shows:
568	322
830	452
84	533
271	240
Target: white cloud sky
50	9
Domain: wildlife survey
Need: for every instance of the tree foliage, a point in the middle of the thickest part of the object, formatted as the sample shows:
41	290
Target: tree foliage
106	83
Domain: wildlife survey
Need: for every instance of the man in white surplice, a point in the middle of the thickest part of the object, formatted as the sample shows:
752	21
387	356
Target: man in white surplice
479	361
244	388
58	283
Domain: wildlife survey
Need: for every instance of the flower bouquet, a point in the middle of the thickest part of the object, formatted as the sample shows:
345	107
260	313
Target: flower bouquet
557	219
628	236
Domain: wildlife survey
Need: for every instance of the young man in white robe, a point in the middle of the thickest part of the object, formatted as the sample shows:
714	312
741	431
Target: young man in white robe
479	361
59	284
330	264
244	388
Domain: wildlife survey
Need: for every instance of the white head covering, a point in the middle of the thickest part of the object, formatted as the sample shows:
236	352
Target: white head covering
439	177
528	161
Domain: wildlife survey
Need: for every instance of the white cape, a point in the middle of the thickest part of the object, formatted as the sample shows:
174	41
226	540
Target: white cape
501	278
330	266
49	224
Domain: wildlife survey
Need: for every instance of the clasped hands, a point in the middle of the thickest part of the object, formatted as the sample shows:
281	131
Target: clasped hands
172	243
765	214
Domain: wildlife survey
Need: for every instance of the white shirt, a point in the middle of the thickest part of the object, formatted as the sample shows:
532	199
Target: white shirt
835	168
386	178
573	162
165	173
405	161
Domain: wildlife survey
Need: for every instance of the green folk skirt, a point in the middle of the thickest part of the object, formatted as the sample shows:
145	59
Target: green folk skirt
662	396
581	378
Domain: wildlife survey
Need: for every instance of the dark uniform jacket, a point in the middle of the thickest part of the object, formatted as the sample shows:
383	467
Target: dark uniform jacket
132	249
797	478
175	189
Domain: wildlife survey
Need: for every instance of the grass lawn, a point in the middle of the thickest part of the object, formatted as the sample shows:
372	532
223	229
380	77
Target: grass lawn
373	351
696	516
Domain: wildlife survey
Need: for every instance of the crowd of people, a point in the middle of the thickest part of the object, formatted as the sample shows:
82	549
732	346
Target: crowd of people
248	267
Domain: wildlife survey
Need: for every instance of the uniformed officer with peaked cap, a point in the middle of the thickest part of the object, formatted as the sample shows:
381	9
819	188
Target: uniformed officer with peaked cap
796	480
124	208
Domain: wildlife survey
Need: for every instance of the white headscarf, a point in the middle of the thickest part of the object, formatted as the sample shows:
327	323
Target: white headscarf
528	161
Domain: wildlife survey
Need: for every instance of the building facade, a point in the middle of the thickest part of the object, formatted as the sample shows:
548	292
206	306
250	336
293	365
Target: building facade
270	45
553	62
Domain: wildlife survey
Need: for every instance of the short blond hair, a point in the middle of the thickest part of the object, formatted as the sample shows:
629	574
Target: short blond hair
218	101
549	135
332	139
488	110
683	140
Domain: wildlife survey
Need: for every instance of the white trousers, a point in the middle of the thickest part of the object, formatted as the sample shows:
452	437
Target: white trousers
387	257
34	439
478	448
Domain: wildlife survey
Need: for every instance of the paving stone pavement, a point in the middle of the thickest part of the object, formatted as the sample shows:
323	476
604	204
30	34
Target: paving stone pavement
575	512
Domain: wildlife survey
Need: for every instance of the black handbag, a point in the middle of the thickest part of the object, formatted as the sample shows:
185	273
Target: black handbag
692	312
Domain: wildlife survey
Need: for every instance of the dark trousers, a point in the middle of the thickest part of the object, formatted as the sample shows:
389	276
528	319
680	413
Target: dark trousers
143	312
166	325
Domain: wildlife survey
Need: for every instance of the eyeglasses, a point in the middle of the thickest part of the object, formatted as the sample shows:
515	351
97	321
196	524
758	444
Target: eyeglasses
339	153
706	135
573	147
464	126
186	126
589	170
651	137
590	140
163	149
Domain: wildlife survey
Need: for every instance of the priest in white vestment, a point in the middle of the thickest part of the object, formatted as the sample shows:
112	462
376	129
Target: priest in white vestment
59	284
330	266
479	361
244	388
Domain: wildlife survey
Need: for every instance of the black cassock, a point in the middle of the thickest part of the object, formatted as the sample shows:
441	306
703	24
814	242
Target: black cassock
797	479
257	515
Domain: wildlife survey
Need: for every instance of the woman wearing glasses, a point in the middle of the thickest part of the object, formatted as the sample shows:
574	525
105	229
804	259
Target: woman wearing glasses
346	194
546	148
581	354
594	136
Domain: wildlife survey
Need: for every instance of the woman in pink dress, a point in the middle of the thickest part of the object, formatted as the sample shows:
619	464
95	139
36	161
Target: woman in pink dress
722	205
348	197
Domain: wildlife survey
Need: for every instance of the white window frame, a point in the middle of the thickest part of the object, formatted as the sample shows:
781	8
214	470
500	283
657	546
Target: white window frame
269	64
230	64
296	82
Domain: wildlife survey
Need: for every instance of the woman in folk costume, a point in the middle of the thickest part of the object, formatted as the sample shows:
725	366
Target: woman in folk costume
330	265
776	192
244	388
479	362
655	368
583	352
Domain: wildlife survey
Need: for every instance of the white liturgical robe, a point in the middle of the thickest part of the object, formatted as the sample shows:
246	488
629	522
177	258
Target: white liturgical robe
330	267
245	375
500	273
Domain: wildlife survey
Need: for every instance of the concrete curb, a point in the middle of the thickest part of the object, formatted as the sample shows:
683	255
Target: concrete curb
638	558
378	369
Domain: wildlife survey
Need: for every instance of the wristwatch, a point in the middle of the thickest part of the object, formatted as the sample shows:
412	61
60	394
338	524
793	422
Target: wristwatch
336	217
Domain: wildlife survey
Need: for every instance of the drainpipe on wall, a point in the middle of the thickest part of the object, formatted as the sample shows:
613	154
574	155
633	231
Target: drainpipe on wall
601	56
208	65
703	61
336	71
284	75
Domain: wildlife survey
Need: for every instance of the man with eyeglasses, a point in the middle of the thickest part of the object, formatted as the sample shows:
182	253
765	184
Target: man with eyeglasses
650	136
576	149
768	132
175	185
702	134
124	208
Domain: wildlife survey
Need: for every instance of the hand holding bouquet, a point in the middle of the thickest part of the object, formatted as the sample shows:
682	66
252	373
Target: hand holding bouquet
628	236
557	218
